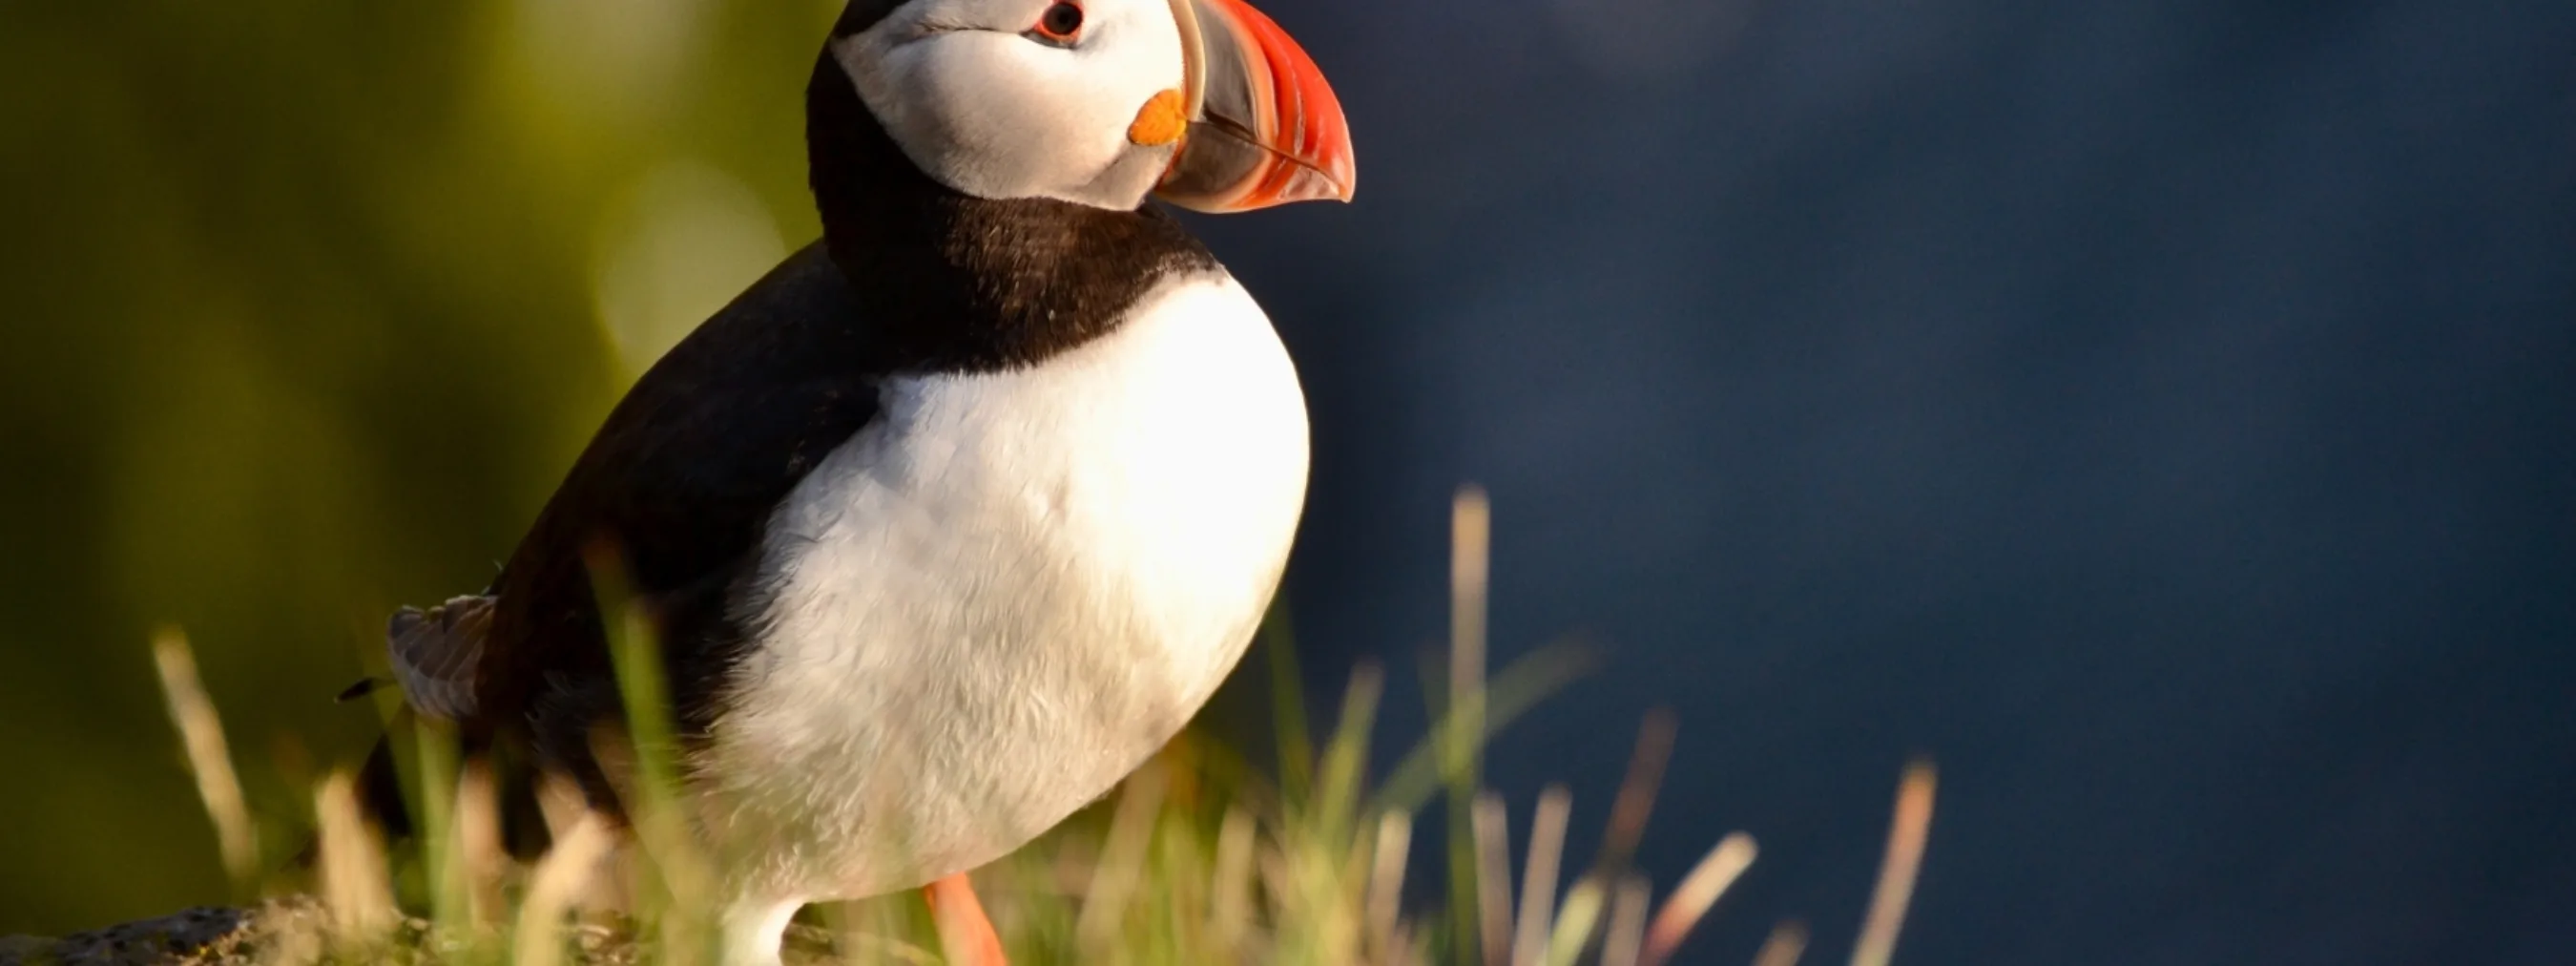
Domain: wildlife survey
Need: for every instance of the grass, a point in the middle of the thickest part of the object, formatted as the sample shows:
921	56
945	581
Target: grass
1197	860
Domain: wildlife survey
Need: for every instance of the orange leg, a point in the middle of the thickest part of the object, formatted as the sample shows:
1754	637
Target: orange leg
966	937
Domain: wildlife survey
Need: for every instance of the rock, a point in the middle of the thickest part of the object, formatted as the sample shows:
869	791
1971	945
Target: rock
295	930
177	938
288	930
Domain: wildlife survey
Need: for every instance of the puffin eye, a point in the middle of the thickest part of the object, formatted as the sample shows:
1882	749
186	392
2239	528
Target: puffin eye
1061	24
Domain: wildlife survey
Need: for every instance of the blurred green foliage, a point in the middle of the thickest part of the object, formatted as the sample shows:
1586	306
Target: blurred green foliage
310	305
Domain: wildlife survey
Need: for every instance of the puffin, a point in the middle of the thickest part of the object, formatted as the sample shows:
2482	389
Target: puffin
958	515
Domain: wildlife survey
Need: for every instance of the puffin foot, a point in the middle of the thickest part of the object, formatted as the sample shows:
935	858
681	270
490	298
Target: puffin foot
966	936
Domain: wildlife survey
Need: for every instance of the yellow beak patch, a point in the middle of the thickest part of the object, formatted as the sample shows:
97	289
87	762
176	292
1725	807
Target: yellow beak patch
1160	121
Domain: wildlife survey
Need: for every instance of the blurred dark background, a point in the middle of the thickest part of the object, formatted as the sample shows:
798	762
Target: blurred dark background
2158	413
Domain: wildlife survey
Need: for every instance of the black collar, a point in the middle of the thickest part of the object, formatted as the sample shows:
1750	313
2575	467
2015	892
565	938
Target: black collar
861	15
959	283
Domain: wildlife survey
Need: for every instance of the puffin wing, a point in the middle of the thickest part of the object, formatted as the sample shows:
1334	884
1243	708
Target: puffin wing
435	653
679	485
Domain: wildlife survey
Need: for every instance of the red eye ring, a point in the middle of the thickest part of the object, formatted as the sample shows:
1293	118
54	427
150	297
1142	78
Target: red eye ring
1060	24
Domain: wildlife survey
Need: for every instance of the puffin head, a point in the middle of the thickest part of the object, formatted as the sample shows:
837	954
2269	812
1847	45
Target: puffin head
1204	103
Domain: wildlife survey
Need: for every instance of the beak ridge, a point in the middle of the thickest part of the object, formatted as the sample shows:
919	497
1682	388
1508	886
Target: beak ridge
1268	129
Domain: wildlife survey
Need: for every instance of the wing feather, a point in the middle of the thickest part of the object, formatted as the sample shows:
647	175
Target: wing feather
679	483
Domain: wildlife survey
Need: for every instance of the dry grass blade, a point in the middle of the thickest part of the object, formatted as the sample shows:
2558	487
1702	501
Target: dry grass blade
1344	770
1470	563
201	732
1697	892
562	877
482	858
1493	878
1230	911
355	884
1788	941
1122	861
561	802
1574	923
1538	880
1627	933
1636	801
1386	880
1470	569
1405	952
1906	837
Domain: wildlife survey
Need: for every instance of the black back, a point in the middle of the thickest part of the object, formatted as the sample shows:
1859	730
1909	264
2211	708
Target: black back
681	481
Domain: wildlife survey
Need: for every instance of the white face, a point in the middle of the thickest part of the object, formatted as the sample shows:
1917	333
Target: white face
986	97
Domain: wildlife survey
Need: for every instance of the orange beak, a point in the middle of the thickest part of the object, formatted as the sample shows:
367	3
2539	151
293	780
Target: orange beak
1264	127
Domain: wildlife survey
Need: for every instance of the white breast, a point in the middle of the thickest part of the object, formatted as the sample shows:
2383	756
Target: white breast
1007	593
